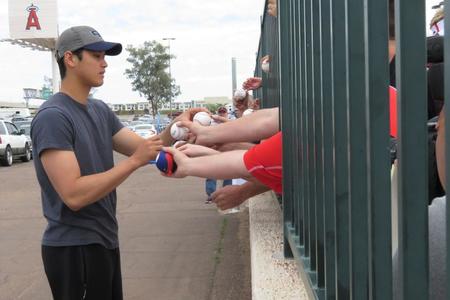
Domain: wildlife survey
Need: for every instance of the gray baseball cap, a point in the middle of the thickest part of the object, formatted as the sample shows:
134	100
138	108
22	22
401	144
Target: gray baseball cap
84	37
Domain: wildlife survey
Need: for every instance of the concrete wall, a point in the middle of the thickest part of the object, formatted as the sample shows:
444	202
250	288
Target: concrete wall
273	277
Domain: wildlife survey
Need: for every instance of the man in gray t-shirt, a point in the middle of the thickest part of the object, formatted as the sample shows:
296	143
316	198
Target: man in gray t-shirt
74	138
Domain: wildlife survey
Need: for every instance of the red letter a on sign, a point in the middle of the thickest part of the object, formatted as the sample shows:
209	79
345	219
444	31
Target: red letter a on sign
33	20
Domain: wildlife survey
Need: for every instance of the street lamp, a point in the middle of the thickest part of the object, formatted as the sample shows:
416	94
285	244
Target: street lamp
170	74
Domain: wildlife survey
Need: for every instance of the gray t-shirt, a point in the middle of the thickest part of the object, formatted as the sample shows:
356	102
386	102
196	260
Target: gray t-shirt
87	130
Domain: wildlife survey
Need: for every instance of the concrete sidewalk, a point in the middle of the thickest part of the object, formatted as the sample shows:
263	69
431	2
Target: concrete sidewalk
173	246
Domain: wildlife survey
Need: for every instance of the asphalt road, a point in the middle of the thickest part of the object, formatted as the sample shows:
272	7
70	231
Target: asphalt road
173	246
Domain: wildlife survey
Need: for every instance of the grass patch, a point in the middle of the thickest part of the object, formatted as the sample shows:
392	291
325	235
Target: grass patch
218	255
219	250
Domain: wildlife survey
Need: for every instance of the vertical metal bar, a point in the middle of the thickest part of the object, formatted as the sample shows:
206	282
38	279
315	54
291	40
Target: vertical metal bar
340	148
288	204
276	59
327	152
311	139
447	138
273	52
412	149
300	93
380	274
305	123
319	213
295	60
357	132
292	99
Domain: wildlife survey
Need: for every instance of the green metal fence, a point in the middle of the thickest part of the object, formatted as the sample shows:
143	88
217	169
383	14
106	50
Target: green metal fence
329	76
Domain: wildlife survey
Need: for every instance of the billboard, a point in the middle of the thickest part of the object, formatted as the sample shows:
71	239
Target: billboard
33	19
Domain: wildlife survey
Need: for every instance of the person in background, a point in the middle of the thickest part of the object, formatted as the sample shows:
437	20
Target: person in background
241	99
437	22
211	184
272	8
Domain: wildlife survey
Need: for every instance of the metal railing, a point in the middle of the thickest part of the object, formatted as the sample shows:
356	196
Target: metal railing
329	76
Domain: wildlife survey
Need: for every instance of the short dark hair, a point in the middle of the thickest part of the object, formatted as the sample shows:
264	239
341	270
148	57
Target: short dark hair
62	66
391	20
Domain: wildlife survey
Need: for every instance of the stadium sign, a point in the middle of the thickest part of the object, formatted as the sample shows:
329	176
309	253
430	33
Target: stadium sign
35	19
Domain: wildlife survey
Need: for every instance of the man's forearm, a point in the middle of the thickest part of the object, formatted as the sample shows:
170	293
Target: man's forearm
91	188
253	188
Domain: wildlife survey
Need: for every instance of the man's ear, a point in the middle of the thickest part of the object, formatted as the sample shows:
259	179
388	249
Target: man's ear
70	59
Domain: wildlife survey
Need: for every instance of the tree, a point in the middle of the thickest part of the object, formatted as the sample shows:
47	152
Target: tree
149	74
213	107
47	88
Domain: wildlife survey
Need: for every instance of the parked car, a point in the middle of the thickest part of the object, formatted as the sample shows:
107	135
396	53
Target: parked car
146	119
134	124
145	130
13	144
26	127
19	119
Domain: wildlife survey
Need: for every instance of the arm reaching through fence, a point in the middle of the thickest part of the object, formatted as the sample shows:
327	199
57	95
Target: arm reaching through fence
262	162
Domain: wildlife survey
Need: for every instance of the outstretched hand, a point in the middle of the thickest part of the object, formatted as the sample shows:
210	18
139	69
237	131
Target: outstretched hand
229	196
219	119
252	83
180	159
189	114
197	132
192	150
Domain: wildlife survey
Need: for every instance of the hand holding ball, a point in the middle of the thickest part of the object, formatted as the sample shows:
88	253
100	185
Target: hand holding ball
179	133
165	163
202	118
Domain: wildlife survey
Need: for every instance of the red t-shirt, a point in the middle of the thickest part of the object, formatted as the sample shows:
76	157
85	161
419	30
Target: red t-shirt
265	162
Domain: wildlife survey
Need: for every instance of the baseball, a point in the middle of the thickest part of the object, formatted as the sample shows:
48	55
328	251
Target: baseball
179	133
247	112
240	93
203	118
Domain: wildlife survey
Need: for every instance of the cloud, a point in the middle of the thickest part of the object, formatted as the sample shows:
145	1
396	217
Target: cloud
208	34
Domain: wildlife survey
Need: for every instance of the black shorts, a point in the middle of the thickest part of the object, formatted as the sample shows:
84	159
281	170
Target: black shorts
89	272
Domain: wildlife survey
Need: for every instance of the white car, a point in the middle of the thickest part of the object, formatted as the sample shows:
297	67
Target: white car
25	126
13	144
145	130
134	124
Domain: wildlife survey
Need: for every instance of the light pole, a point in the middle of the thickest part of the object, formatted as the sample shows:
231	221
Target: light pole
170	74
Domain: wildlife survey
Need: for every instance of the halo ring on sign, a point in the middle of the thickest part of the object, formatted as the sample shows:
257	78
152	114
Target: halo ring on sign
32	7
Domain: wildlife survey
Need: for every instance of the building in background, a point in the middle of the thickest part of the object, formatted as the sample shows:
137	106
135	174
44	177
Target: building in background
7	108
176	106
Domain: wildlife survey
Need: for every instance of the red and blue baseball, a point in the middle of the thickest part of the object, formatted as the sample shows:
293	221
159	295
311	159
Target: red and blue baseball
165	163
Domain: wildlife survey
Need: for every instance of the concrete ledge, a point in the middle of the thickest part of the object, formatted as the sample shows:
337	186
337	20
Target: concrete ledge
273	277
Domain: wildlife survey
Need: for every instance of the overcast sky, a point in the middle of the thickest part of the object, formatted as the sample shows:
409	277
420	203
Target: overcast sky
208	34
